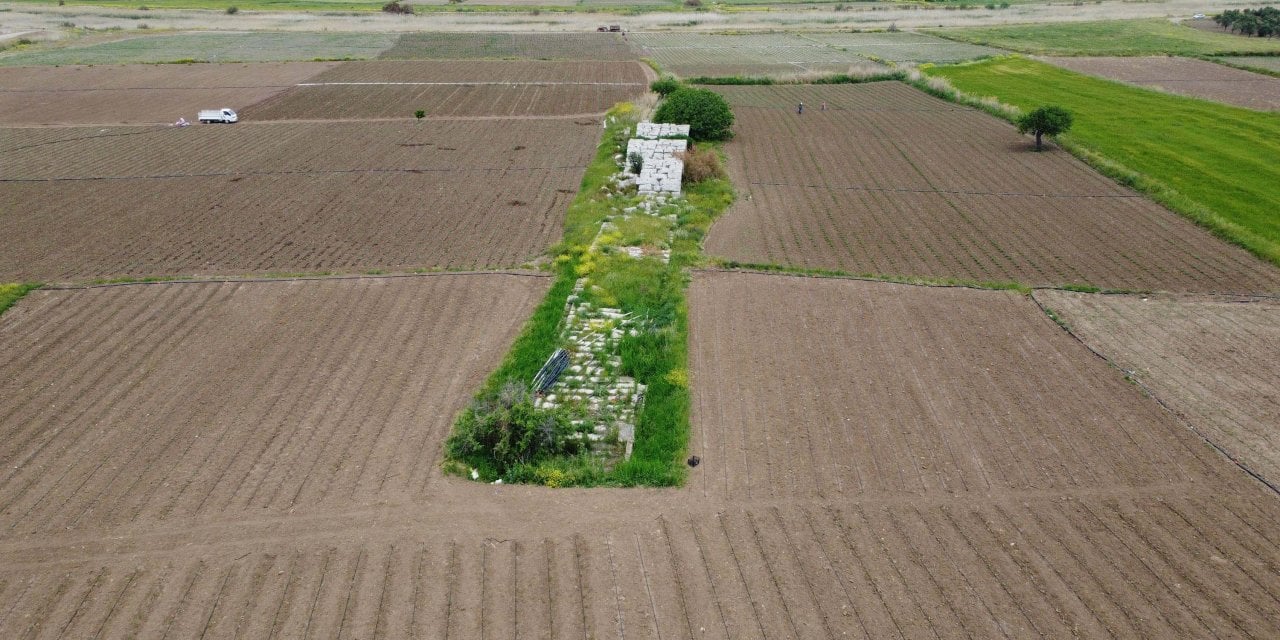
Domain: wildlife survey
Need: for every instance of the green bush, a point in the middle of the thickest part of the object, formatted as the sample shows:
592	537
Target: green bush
232	10
508	430
665	86
706	112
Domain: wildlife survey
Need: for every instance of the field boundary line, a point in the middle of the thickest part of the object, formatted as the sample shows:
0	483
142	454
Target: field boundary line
959	192
485	83
308	172
268	279
1132	376
729	266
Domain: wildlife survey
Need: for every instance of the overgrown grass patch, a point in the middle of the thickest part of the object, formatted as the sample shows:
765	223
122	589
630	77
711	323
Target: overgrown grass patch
648	289
13	292
1213	163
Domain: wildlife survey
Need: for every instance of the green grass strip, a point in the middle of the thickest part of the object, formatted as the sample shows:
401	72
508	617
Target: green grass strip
1213	163
11	293
1154	36
656	357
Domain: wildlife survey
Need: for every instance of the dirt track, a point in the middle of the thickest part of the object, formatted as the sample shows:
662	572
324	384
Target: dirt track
1184	548
139	93
891	181
1215	362
1195	78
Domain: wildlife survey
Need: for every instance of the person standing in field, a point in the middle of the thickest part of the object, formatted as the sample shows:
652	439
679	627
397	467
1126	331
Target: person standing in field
800	109
824	106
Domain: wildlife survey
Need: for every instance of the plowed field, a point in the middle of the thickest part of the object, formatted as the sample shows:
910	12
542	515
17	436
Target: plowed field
364	102
891	181
199	399
777	55
1185	76
139	93
487	71
528	46
1177	545
86	204
1215	362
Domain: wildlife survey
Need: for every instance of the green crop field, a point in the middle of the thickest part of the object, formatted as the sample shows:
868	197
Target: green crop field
213	47
1220	160
1111	38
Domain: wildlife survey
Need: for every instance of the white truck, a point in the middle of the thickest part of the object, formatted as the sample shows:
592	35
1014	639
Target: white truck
223	115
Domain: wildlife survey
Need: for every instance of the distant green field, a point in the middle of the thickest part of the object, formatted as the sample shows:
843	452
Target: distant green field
1111	38
213	47
1220	160
221	5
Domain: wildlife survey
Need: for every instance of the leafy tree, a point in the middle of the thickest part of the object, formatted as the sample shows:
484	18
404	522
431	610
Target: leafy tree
706	112
1045	121
665	86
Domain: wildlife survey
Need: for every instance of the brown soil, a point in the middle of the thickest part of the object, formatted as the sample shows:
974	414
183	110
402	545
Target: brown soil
323	197
363	102
139	93
1195	78
1214	361
565	45
891	181
384	547
478	71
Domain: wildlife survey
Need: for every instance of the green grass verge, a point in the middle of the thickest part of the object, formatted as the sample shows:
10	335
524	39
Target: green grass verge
1155	36
835	78
1213	163
656	357
11	293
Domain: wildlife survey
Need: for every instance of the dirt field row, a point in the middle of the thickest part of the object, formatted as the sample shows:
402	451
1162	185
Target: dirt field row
1215	362
529	46
891	181
1129	566
565	71
1008	482
142	202
238	225
319	147
162	93
347	102
146	403
139	93
1195	78
942	391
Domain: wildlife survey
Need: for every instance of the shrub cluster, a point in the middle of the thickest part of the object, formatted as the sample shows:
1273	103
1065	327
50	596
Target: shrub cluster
395	7
701	164
1264	22
508	430
706	112
665	86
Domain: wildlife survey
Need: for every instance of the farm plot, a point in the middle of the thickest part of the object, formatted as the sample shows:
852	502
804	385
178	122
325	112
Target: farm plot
775	55
487	71
139	93
326	197
64	153
1092	566
134	403
903	47
890	181
1068	538
266	46
1214	361
525	46
383	101
844	388
1195	78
